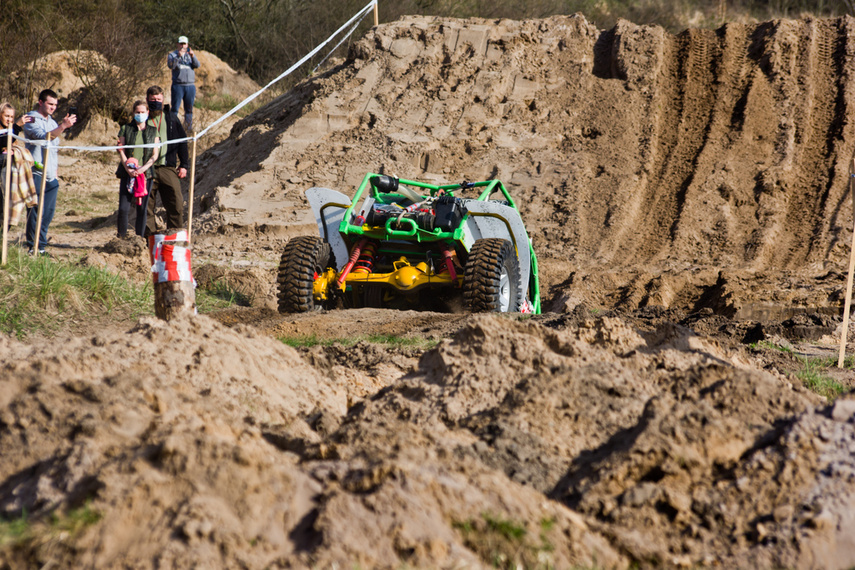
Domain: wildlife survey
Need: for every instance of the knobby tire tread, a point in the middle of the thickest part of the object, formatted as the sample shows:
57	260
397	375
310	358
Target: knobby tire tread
301	258
483	272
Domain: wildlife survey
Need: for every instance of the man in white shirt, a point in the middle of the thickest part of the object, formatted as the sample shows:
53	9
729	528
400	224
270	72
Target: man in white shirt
42	127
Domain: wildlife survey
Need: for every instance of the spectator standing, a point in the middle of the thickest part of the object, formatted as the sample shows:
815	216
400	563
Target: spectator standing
135	132
7	119
42	127
171	165
182	62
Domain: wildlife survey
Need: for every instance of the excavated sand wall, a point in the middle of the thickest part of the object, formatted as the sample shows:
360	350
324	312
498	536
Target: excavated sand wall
725	147
651	169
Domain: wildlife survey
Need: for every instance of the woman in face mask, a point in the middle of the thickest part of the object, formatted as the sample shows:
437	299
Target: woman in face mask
135	172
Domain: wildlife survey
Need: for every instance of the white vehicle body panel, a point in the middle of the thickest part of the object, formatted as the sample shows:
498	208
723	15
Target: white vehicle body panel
494	220
329	206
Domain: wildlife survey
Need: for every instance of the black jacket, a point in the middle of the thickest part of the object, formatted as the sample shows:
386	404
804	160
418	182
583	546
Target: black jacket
175	131
4	137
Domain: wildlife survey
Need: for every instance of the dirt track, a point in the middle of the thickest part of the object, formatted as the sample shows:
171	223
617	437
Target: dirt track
686	195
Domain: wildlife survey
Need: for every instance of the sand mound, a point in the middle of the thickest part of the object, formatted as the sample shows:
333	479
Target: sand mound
659	440
61	70
643	162
704	172
164	418
215	80
583	442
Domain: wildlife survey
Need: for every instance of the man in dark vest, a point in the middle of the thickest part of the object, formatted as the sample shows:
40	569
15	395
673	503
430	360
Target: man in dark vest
171	165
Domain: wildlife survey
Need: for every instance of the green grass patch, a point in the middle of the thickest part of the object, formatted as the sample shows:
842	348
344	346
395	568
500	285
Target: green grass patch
813	377
765	344
68	524
14	531
395	341
812	370
402	341
41	295
505	543
75	520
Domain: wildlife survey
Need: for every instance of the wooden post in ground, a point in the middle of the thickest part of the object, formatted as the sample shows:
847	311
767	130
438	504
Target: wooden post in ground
174	293
848	304
7	188
192	186
376	14
45	157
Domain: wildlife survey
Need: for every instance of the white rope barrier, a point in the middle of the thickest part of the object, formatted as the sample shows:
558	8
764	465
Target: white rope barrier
290	70
354	22
346	37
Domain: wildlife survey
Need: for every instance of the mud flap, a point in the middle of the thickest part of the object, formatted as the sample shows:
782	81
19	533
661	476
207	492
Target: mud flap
328	206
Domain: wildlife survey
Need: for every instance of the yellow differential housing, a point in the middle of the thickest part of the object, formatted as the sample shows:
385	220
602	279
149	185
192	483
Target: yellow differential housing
405	278
322	284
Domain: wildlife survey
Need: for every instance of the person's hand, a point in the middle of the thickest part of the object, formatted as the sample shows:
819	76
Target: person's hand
182	173
25	119
69	121
189	51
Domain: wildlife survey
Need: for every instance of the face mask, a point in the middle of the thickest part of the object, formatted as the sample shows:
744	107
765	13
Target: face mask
141	117
155	105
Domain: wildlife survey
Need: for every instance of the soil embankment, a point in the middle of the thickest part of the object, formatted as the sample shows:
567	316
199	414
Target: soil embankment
695	170
686	195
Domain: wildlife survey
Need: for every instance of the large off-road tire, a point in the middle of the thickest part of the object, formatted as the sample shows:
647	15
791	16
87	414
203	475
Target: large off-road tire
491	280
303	258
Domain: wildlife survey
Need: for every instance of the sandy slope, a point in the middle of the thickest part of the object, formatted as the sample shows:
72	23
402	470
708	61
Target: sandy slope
693	183
643	162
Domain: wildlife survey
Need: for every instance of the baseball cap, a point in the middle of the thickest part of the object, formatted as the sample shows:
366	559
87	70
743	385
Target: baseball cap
183	40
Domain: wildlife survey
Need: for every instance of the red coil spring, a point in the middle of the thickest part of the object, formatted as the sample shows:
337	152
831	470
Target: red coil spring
365	263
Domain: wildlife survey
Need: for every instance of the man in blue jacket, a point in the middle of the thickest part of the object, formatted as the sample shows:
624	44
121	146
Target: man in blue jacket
182	62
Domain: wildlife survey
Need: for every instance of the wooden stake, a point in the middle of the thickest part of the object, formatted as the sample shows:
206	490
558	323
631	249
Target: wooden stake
8	187
376	15
192	184
45	156
848	304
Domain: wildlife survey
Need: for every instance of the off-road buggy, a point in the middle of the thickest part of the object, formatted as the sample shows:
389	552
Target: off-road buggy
403	249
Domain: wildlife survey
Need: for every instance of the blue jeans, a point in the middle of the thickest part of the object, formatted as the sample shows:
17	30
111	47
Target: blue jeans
186	93
48	209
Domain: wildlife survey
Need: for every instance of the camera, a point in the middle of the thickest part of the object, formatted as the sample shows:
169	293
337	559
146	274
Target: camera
72	110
